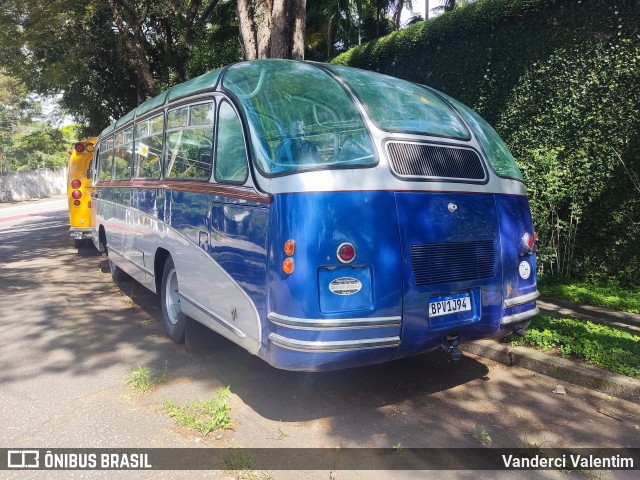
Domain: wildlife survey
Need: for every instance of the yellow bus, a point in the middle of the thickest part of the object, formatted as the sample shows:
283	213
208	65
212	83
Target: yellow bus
79	191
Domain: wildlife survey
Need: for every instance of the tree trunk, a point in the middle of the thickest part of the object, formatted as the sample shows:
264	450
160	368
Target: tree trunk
272	28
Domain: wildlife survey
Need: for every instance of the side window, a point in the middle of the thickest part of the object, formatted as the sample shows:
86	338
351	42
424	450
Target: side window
189	142
231	153
122	155
148	147
106	159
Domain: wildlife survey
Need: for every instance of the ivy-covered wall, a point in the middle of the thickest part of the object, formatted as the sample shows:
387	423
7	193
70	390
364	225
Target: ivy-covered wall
560	81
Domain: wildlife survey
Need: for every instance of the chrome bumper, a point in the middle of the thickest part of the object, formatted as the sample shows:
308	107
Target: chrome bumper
334	346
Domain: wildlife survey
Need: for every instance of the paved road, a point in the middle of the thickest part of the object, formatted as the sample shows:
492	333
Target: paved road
70	337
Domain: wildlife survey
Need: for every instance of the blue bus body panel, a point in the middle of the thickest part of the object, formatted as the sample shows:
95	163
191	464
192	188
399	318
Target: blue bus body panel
319	223
412	248
450	244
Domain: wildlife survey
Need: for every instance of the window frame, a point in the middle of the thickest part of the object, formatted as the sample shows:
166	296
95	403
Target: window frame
188	103
220	103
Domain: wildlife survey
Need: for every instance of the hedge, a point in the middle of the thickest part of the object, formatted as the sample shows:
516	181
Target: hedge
560	81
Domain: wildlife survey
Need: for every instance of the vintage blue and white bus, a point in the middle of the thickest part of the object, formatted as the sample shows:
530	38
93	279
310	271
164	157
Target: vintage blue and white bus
319	216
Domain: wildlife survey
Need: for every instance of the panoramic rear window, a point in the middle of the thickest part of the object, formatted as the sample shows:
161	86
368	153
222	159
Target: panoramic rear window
299	117
396	105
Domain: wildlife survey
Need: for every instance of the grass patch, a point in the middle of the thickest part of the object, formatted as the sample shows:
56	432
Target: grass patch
607	347
599	295
143	380
239	466
206	416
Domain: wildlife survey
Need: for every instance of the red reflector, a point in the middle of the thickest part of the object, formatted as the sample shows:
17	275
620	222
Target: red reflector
79	147
89	204
76	194
346	252
76	203
75	184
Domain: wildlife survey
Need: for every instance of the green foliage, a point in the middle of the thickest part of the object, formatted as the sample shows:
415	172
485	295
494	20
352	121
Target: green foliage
601	345
612	296
560	81
108	57
206	416
143	380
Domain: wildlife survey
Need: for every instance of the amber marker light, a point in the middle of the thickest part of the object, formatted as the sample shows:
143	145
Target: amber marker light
289	247
287	266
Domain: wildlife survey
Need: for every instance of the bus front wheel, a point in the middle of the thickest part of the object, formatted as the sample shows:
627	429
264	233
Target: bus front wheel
174	320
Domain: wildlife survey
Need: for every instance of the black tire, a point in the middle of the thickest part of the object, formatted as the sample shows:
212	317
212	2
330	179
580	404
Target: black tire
116	272
173	320
81	243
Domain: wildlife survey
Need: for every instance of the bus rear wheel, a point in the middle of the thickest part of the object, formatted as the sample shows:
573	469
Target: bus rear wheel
174	320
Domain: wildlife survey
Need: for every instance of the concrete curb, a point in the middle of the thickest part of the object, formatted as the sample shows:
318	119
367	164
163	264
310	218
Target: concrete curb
570	371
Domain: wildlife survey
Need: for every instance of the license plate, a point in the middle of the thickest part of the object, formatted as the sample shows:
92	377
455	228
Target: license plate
449	304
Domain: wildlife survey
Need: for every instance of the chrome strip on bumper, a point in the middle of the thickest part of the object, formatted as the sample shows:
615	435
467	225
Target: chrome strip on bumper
334	346
521	300
333	324
518	317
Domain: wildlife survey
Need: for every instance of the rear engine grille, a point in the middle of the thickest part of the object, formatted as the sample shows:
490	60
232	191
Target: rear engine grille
434	161
452	262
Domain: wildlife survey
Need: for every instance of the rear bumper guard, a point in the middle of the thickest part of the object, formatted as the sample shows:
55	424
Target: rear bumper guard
333	346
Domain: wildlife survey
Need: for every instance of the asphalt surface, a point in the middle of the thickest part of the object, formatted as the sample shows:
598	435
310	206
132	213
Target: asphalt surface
71	338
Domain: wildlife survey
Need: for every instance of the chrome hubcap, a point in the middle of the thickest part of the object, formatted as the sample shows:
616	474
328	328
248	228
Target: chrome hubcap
172	299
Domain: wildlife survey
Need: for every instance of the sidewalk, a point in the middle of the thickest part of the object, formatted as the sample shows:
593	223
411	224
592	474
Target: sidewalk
563	369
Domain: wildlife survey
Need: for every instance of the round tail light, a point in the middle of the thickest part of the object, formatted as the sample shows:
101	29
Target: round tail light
75	184
528	242
346	252
79	147
76	203
76	194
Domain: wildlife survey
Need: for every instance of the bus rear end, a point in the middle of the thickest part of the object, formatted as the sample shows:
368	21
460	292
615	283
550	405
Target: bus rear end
79	191
399	220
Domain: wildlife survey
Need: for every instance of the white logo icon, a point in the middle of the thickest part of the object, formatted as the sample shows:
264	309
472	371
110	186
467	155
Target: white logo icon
23	458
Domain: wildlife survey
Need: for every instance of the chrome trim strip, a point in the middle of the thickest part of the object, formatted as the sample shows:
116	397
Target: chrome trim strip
135	264
515	301
331	324
212	315
518	317
335	346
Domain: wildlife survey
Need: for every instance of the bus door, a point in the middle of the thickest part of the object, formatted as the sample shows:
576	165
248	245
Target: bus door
238	233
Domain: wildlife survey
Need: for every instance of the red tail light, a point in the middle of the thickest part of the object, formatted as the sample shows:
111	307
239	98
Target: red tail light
528	242
79	147
76	203
346	252
76	184
76	194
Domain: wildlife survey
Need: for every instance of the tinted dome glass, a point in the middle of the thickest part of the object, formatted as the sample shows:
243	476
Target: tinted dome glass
399	106
299	117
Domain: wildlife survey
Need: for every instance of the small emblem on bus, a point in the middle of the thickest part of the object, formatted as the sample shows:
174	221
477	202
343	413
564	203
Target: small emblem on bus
345	286
524	269
452	207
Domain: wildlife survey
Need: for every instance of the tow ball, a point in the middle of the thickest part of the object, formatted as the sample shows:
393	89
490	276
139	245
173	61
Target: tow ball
451	348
